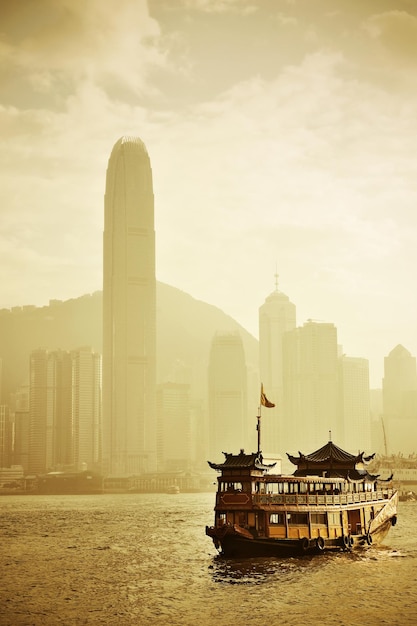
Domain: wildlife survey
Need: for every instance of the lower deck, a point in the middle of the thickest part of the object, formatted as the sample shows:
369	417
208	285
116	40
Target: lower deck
297	516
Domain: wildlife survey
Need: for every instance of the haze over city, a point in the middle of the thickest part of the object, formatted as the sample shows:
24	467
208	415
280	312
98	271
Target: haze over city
281	135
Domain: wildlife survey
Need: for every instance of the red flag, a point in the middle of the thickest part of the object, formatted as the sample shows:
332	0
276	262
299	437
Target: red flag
264	399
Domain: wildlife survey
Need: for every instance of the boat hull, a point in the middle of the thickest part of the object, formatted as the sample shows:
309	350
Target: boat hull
232	544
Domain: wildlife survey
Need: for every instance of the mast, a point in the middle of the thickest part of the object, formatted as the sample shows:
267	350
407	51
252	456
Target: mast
258	428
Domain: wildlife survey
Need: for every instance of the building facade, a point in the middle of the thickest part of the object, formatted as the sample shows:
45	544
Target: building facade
129	312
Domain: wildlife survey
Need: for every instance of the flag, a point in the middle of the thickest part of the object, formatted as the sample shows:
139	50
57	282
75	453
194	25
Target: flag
264	399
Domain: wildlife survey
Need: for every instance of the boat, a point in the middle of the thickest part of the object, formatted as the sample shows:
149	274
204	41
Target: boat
173	489
330	502
408	496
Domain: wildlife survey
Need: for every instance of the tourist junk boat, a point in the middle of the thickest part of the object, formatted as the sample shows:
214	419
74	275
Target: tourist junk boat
331	502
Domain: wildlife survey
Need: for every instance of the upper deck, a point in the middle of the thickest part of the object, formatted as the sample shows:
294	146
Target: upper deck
271	490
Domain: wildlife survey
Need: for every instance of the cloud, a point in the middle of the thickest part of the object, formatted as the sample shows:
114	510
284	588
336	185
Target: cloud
109	43
310	164
220	6
396	31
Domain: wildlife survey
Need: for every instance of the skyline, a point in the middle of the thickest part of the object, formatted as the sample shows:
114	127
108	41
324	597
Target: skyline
237	102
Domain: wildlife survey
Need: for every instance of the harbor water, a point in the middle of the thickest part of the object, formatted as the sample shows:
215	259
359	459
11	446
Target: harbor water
145	559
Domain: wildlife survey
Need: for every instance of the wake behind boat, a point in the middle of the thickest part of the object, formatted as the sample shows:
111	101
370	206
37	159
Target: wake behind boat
331	502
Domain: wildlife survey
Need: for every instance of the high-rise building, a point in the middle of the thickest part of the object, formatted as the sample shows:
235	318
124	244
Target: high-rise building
311	389
399	393
129	312
276	317
64	410
49	420
175	448
5	437
227	396
355	404
86	408
21	427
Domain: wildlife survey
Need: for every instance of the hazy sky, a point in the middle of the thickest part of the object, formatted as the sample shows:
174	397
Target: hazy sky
281	133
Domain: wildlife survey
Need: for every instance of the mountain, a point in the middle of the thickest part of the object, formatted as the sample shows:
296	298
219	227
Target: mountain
185	328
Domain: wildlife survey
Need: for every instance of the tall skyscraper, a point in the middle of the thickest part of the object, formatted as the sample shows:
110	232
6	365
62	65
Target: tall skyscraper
227	396
276	317
399	393
129	312
311	386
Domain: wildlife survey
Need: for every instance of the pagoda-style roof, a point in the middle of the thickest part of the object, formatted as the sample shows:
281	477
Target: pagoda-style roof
329	460
241	461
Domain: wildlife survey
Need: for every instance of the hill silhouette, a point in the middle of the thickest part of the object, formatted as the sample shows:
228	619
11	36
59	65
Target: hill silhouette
185	328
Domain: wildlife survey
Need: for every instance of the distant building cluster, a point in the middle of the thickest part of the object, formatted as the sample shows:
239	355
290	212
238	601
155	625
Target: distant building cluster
79	410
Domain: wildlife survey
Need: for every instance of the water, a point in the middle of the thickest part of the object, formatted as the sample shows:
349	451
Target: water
144	559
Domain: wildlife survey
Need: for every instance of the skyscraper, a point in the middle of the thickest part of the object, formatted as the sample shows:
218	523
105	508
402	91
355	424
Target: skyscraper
50	441
355	404
311	386
86	408
227	396
276	317
129	312
64	410
399	389
175	448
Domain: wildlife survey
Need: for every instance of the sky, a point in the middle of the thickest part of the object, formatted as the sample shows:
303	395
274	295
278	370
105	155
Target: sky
282	137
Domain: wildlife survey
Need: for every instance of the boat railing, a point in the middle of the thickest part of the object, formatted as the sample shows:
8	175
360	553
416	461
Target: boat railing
320	499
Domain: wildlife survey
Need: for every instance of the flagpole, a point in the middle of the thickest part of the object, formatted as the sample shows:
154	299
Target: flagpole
258	428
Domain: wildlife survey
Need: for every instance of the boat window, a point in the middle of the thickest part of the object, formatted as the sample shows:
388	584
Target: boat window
273	488
276	518
221	519
334	519
303	487
234	487
318	518
297	519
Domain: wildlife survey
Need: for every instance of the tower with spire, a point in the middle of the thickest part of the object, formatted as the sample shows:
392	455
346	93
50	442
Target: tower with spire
276	317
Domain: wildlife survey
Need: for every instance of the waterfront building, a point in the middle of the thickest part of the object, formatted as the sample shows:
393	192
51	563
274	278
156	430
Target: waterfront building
311	386
399	396
227	395
129	312
49	410
276	317
21	427
64	411
5	436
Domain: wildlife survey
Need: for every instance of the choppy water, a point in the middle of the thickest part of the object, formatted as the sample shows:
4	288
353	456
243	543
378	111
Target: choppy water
144	559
